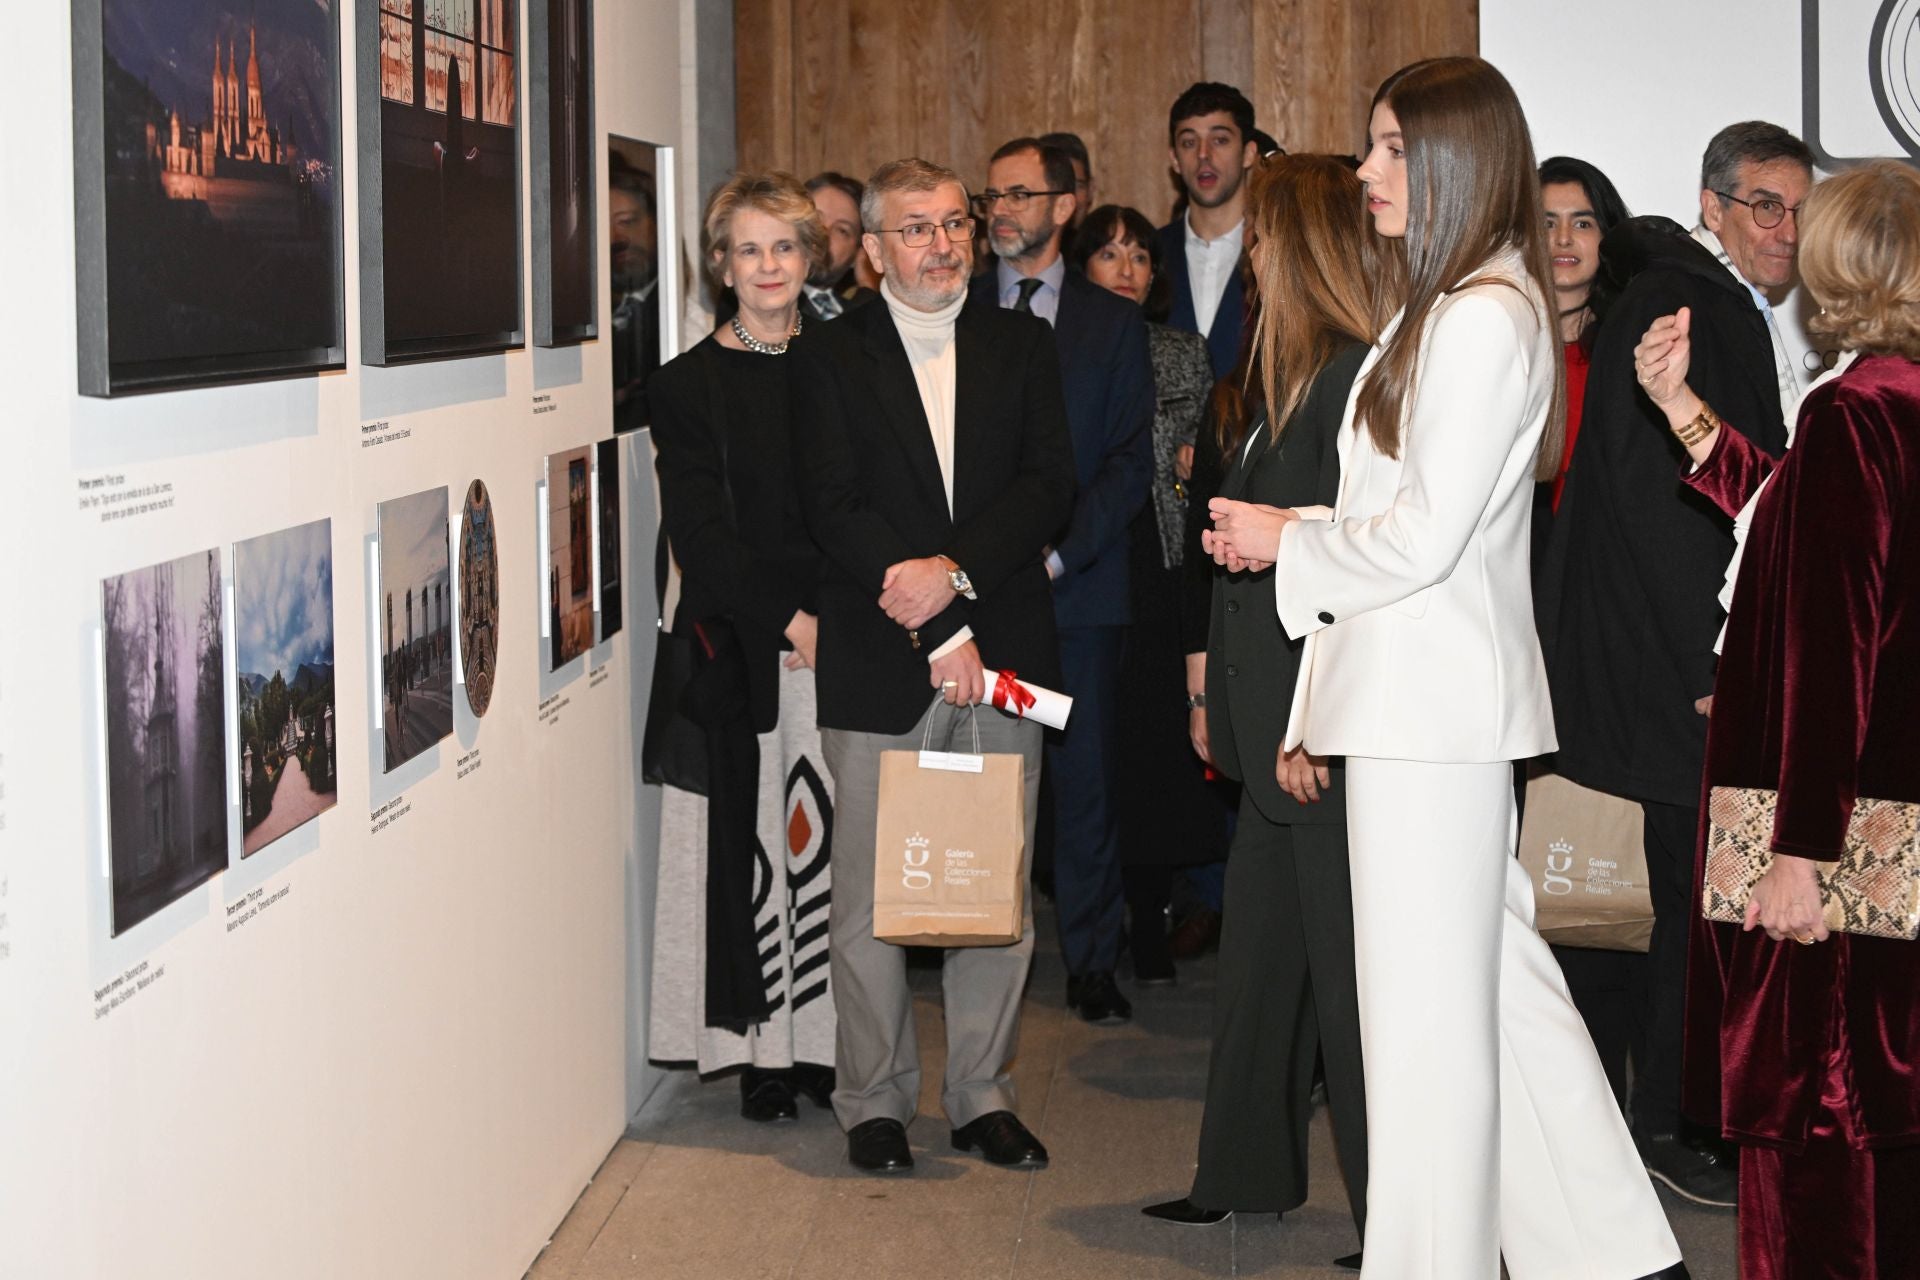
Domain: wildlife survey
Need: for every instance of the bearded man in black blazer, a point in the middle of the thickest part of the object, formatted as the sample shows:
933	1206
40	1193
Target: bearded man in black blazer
934	466
1106	375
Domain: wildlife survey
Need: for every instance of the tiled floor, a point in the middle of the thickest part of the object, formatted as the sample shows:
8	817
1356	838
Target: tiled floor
694	1191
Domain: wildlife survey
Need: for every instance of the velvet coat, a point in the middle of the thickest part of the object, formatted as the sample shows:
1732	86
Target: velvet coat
1818	697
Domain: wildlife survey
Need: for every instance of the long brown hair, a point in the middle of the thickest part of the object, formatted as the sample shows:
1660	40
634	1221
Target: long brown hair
1471	193
1318	269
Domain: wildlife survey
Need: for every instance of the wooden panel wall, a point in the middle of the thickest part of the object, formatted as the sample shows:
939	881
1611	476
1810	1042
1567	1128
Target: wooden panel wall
846	84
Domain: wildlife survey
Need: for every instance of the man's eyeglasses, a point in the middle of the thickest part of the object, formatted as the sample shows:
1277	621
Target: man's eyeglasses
1767	214
1016	199
918	235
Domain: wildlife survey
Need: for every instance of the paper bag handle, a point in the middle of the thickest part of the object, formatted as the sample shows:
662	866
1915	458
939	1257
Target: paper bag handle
973	714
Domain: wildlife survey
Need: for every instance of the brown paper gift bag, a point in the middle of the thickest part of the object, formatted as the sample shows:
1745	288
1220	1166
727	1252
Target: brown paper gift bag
1584	852
950	847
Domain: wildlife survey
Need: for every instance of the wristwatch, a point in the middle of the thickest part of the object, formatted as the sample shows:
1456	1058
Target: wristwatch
957	579
1196	701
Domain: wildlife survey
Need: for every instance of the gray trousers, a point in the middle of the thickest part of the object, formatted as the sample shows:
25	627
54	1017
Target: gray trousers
876	1059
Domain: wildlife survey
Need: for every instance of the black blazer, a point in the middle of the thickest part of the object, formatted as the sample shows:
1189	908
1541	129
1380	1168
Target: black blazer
729	507
1223	340
1628	603
873	496
1106	375
1251	661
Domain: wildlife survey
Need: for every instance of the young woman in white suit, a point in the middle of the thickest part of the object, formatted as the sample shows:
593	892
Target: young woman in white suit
1492	1129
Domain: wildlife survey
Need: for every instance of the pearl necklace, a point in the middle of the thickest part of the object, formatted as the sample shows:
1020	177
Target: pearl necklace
754	344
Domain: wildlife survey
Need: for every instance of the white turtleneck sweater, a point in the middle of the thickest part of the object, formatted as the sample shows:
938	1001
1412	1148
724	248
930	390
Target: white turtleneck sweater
928	338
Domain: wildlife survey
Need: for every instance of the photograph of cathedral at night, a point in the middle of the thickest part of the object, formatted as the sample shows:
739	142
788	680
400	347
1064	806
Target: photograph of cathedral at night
222	195
449	177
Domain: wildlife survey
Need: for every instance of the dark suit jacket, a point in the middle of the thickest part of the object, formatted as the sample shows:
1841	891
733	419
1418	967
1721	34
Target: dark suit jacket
1629	598
873	496
1106	376
1251	661
1223	340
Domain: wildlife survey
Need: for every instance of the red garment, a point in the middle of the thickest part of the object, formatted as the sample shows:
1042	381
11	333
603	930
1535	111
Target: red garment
1577	366
1818	696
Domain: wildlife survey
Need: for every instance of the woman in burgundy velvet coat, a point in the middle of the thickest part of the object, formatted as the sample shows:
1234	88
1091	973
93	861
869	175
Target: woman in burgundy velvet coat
1804	1047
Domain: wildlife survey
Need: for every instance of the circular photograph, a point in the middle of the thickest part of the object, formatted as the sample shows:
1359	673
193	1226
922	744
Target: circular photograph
479	597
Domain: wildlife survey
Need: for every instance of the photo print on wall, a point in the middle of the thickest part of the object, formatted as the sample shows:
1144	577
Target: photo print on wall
209	241
166	707
415	626
283	681
479	598
560	131
440	178
569	554
634	237
607	471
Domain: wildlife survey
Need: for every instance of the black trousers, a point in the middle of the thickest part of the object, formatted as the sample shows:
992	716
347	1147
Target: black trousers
1286	995
1660	985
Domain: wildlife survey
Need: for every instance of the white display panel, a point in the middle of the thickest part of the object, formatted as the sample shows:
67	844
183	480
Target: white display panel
399	1039
1639	87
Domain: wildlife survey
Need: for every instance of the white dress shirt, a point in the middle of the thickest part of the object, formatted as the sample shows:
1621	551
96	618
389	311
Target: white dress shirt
928	338
1210	264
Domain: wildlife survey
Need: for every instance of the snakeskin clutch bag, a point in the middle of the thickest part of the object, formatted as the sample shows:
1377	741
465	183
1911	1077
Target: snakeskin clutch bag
1874	889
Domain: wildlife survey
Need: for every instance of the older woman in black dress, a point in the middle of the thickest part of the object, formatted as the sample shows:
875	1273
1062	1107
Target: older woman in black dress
740	948
1170	813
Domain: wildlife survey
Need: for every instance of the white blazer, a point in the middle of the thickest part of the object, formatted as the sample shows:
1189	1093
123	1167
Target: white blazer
1415	598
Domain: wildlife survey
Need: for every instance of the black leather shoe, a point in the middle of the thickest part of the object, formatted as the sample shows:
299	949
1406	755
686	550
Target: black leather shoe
1003	1140
879	1146
1678	1271
1349	1263
1185	1213
814	1081
1696	1170
766	1097
1098	999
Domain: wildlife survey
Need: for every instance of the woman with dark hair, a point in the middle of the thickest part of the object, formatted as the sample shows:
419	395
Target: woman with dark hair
740	973
1286	982
1581	206
1171	814
1492	1130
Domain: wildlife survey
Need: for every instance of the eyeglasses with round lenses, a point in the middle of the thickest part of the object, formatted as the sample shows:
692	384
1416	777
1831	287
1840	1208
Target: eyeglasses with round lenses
1767	214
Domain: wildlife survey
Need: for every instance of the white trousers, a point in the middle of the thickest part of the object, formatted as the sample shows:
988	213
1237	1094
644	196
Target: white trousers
1490	1126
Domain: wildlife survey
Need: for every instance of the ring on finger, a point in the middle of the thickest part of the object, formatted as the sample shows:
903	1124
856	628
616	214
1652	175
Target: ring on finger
1805	942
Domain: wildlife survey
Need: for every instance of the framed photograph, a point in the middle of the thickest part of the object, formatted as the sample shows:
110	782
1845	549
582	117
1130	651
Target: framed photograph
569	556
479	598
606	472
415	626
646	299
209	230
165	697
439	145
560	93
283	681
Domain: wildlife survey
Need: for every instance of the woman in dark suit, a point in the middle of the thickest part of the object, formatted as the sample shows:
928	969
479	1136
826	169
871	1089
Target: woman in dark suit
1286	984
740	949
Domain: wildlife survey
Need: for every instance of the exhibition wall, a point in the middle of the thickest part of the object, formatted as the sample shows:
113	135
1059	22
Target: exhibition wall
1639	87
324	872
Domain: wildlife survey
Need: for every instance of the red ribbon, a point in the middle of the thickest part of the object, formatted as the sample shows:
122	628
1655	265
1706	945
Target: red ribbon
1007	689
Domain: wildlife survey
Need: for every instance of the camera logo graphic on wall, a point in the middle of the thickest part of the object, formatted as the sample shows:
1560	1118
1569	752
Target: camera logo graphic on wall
1860	80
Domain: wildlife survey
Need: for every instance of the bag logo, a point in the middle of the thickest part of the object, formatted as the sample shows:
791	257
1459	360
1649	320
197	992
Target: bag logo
914	873
1559	862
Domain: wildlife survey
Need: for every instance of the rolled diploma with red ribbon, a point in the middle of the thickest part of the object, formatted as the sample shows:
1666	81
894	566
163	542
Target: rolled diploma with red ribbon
1034	702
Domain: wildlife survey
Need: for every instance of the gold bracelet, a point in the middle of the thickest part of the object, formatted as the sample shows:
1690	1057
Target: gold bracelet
1704	424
